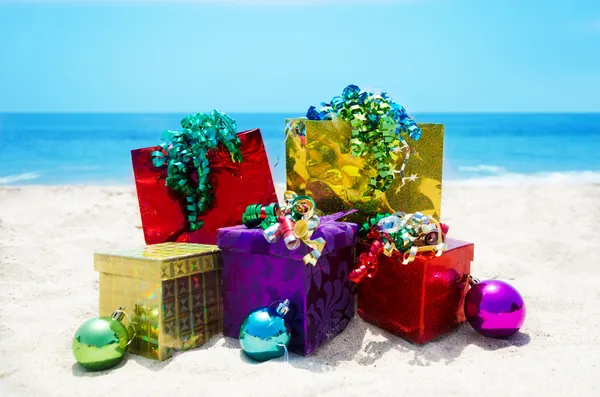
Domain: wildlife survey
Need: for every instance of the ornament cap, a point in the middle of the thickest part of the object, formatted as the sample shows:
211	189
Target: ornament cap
283	308
473	280
118	314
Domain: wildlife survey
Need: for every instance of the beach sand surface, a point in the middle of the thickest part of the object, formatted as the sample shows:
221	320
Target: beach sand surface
543	239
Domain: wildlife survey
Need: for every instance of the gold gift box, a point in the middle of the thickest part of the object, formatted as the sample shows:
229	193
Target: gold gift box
319	164
171	293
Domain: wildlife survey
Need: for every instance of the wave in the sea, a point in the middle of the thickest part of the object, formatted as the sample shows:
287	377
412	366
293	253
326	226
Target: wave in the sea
492	169
540	178
493	175
26	176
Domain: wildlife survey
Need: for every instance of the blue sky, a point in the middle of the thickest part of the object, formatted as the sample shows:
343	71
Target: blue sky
194	55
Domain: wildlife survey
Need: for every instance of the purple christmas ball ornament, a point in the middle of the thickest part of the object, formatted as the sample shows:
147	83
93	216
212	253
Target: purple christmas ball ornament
494	308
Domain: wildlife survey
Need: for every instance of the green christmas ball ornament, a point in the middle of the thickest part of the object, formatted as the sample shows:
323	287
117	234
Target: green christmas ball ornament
101	343
264	334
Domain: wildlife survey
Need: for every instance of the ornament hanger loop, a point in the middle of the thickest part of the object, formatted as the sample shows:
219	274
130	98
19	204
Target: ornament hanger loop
118	315
284	307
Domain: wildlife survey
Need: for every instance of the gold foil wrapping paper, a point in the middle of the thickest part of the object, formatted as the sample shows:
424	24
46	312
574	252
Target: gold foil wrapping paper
171	293
319	164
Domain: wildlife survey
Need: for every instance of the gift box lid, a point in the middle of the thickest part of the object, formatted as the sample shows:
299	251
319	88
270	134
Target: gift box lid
337	235
159	261
466	249
452	243
454	246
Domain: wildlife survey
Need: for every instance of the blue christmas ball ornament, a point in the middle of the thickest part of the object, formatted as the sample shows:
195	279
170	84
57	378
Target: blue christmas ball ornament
264	334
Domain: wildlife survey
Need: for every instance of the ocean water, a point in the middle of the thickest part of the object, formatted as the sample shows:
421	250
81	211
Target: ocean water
52	149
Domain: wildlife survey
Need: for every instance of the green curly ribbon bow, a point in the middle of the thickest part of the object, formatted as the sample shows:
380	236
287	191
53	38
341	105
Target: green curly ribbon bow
187	151
379	128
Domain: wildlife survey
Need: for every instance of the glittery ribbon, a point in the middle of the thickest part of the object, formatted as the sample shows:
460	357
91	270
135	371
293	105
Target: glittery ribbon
187	151
398	235
379	131
295	222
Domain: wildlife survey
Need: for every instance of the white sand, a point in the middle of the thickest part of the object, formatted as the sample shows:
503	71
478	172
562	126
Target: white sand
544	240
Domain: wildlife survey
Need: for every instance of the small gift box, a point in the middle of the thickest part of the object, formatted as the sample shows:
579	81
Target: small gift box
416	295
365	153
258	273
213	173
171	294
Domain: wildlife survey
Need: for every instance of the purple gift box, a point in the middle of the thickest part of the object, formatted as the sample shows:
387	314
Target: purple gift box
257	273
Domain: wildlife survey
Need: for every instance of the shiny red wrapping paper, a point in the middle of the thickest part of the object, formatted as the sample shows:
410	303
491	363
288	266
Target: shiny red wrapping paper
235	186
419	301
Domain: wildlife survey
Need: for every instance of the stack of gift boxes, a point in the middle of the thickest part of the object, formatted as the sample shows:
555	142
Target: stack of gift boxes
191	283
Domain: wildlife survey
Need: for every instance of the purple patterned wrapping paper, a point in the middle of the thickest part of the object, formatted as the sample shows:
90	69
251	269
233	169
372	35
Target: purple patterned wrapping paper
257	273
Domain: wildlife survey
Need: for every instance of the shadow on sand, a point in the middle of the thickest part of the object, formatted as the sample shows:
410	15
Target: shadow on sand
349	346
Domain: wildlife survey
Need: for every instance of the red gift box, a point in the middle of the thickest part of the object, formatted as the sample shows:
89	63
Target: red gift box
419	301
235	186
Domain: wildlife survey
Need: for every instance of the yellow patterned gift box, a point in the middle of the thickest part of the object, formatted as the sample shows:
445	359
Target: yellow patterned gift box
319	164
171	293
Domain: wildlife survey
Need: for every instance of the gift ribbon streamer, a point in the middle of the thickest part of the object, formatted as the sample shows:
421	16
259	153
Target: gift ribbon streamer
379	128
186	152
295	222
401	235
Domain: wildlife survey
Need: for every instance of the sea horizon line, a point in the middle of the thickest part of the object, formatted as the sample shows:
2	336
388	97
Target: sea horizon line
491	112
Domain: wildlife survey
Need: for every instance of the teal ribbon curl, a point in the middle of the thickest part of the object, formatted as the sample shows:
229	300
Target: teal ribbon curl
187	151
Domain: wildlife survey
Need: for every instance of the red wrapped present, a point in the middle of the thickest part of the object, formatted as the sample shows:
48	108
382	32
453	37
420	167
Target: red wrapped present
235	185
412	285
